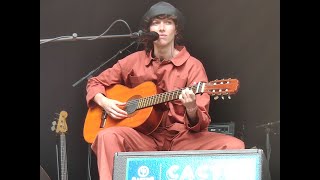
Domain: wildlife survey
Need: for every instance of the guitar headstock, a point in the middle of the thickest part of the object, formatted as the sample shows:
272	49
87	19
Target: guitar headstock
223	87
61	125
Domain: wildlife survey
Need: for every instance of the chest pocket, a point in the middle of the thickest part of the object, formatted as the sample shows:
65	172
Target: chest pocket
180	83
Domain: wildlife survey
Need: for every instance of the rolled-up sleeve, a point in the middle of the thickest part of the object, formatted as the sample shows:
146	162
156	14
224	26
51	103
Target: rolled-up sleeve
99	83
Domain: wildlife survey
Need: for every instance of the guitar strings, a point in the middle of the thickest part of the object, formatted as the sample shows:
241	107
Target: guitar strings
143	102
158	97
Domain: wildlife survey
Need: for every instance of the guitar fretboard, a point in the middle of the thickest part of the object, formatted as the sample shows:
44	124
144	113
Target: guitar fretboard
162	97
63	157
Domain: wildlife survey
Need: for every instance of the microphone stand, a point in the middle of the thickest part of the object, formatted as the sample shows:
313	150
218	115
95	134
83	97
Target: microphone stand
140	34
75	37
93	71
268	130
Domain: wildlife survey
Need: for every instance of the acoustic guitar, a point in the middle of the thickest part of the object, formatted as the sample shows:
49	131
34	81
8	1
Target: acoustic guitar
60	127
140	102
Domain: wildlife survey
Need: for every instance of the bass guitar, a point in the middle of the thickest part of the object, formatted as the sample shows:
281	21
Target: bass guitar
60	127
140	102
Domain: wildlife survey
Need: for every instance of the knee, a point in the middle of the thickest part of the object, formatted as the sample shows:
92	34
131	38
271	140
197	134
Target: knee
235	143
102	138
113	133
107	134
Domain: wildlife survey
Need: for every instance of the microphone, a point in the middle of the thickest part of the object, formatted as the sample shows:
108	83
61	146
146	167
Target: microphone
150	36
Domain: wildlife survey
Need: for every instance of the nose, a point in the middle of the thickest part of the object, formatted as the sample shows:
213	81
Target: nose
161	26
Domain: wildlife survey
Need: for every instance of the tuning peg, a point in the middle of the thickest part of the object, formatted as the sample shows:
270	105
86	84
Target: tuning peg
53	128
216	97
222	97
229	97
54	122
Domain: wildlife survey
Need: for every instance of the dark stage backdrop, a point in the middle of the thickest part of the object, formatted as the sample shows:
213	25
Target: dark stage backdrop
236	39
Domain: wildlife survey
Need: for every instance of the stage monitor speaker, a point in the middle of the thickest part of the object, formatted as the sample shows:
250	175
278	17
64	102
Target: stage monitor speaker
245	164
43	174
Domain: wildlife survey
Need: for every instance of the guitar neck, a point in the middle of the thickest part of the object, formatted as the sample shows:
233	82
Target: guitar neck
163	97
63	157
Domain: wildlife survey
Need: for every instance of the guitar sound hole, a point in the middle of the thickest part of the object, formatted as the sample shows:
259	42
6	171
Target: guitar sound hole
130	108
132	104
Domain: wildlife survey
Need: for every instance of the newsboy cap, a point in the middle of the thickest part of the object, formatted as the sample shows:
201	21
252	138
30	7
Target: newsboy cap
162	8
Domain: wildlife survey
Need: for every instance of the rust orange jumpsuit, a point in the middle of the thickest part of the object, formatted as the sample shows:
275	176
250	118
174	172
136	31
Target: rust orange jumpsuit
174	132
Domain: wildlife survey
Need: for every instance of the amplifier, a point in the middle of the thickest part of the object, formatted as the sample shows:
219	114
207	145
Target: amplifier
225	128
245	164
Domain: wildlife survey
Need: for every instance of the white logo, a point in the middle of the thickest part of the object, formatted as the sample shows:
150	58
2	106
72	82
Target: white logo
143	171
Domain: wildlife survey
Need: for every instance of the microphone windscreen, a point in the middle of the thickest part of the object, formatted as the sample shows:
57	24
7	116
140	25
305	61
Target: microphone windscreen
154	35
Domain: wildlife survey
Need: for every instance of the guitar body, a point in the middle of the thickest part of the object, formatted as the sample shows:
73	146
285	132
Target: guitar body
145	120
